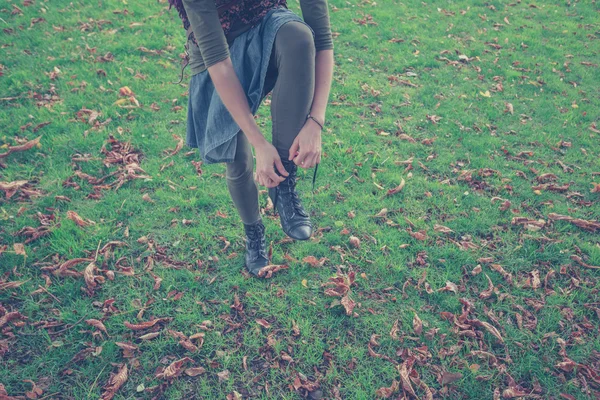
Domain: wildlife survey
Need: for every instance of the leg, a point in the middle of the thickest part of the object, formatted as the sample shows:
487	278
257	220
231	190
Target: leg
241	184
294	58
244	193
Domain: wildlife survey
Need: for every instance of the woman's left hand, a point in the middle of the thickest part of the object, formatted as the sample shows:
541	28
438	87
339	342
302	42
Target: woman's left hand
306	149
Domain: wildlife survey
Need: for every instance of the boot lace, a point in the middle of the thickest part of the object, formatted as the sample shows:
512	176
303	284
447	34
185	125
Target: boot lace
255	236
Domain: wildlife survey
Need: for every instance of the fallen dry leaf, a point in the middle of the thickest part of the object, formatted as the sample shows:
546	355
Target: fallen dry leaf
447	378
314	262
23	147
397	189
354	242
114	383
73	216
142	325
97	324
417	324
268	271
174	369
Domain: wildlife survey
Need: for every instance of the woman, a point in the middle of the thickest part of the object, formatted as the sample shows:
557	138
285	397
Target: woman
239	51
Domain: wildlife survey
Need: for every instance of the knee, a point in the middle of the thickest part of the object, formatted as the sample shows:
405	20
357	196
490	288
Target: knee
239	171
296	40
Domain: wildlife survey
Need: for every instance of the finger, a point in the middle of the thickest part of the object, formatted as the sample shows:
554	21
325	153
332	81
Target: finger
302	158
280	168
294	149
264	179
314	160
269	183
306	162
311	162
275	178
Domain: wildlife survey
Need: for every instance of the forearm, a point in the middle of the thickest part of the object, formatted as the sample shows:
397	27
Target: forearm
323	78
232	94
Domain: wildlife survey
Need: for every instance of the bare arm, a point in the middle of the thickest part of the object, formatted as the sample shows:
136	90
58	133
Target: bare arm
306	149
232	94
323	78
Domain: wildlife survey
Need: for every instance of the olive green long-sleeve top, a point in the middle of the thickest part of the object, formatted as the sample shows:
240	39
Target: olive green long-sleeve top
213	45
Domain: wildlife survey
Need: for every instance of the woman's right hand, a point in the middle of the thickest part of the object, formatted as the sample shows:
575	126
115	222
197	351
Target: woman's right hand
266	157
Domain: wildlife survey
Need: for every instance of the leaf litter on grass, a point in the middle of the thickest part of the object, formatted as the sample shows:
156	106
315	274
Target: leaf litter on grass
478	274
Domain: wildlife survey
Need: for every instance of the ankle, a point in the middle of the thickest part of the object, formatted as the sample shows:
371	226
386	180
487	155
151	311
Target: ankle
254	224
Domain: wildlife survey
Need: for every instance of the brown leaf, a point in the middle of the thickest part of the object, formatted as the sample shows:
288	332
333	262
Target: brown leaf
234	396
314	262
395	330
348	304
385	392
404	370
194	371
223	375
263	323
268	271
442	229
177	148
534	279
417	324
34	393
10	285
448	377
486	294
128	349
157	281
580	261
89	277
97	324
23	147
397	189
513	392
149	336
114	383
354	242
450	287
73	216
498	268
10	188
404	136
174	369
490	328
142	325
188	345
420	235
19	249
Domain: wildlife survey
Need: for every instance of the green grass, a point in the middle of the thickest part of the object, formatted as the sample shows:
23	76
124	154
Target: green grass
545	54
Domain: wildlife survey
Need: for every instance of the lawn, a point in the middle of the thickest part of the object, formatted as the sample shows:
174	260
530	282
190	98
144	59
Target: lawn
457	252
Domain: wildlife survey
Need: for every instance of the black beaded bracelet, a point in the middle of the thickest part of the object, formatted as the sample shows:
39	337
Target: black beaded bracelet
314	119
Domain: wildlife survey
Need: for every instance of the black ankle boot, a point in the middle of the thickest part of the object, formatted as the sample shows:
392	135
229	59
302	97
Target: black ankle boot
294	220
256	253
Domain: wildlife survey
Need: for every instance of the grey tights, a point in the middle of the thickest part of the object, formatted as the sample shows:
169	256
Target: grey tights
291	77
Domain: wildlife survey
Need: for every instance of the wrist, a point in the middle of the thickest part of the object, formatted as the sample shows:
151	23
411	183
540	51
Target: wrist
319	121
259	142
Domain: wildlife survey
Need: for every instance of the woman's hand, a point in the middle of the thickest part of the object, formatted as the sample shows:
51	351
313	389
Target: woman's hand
266	157
306	149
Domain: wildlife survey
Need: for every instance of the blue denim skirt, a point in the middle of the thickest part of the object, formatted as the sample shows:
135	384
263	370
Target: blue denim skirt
210	127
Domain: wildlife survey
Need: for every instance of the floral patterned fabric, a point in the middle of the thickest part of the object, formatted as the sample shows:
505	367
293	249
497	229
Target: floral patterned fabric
245	12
